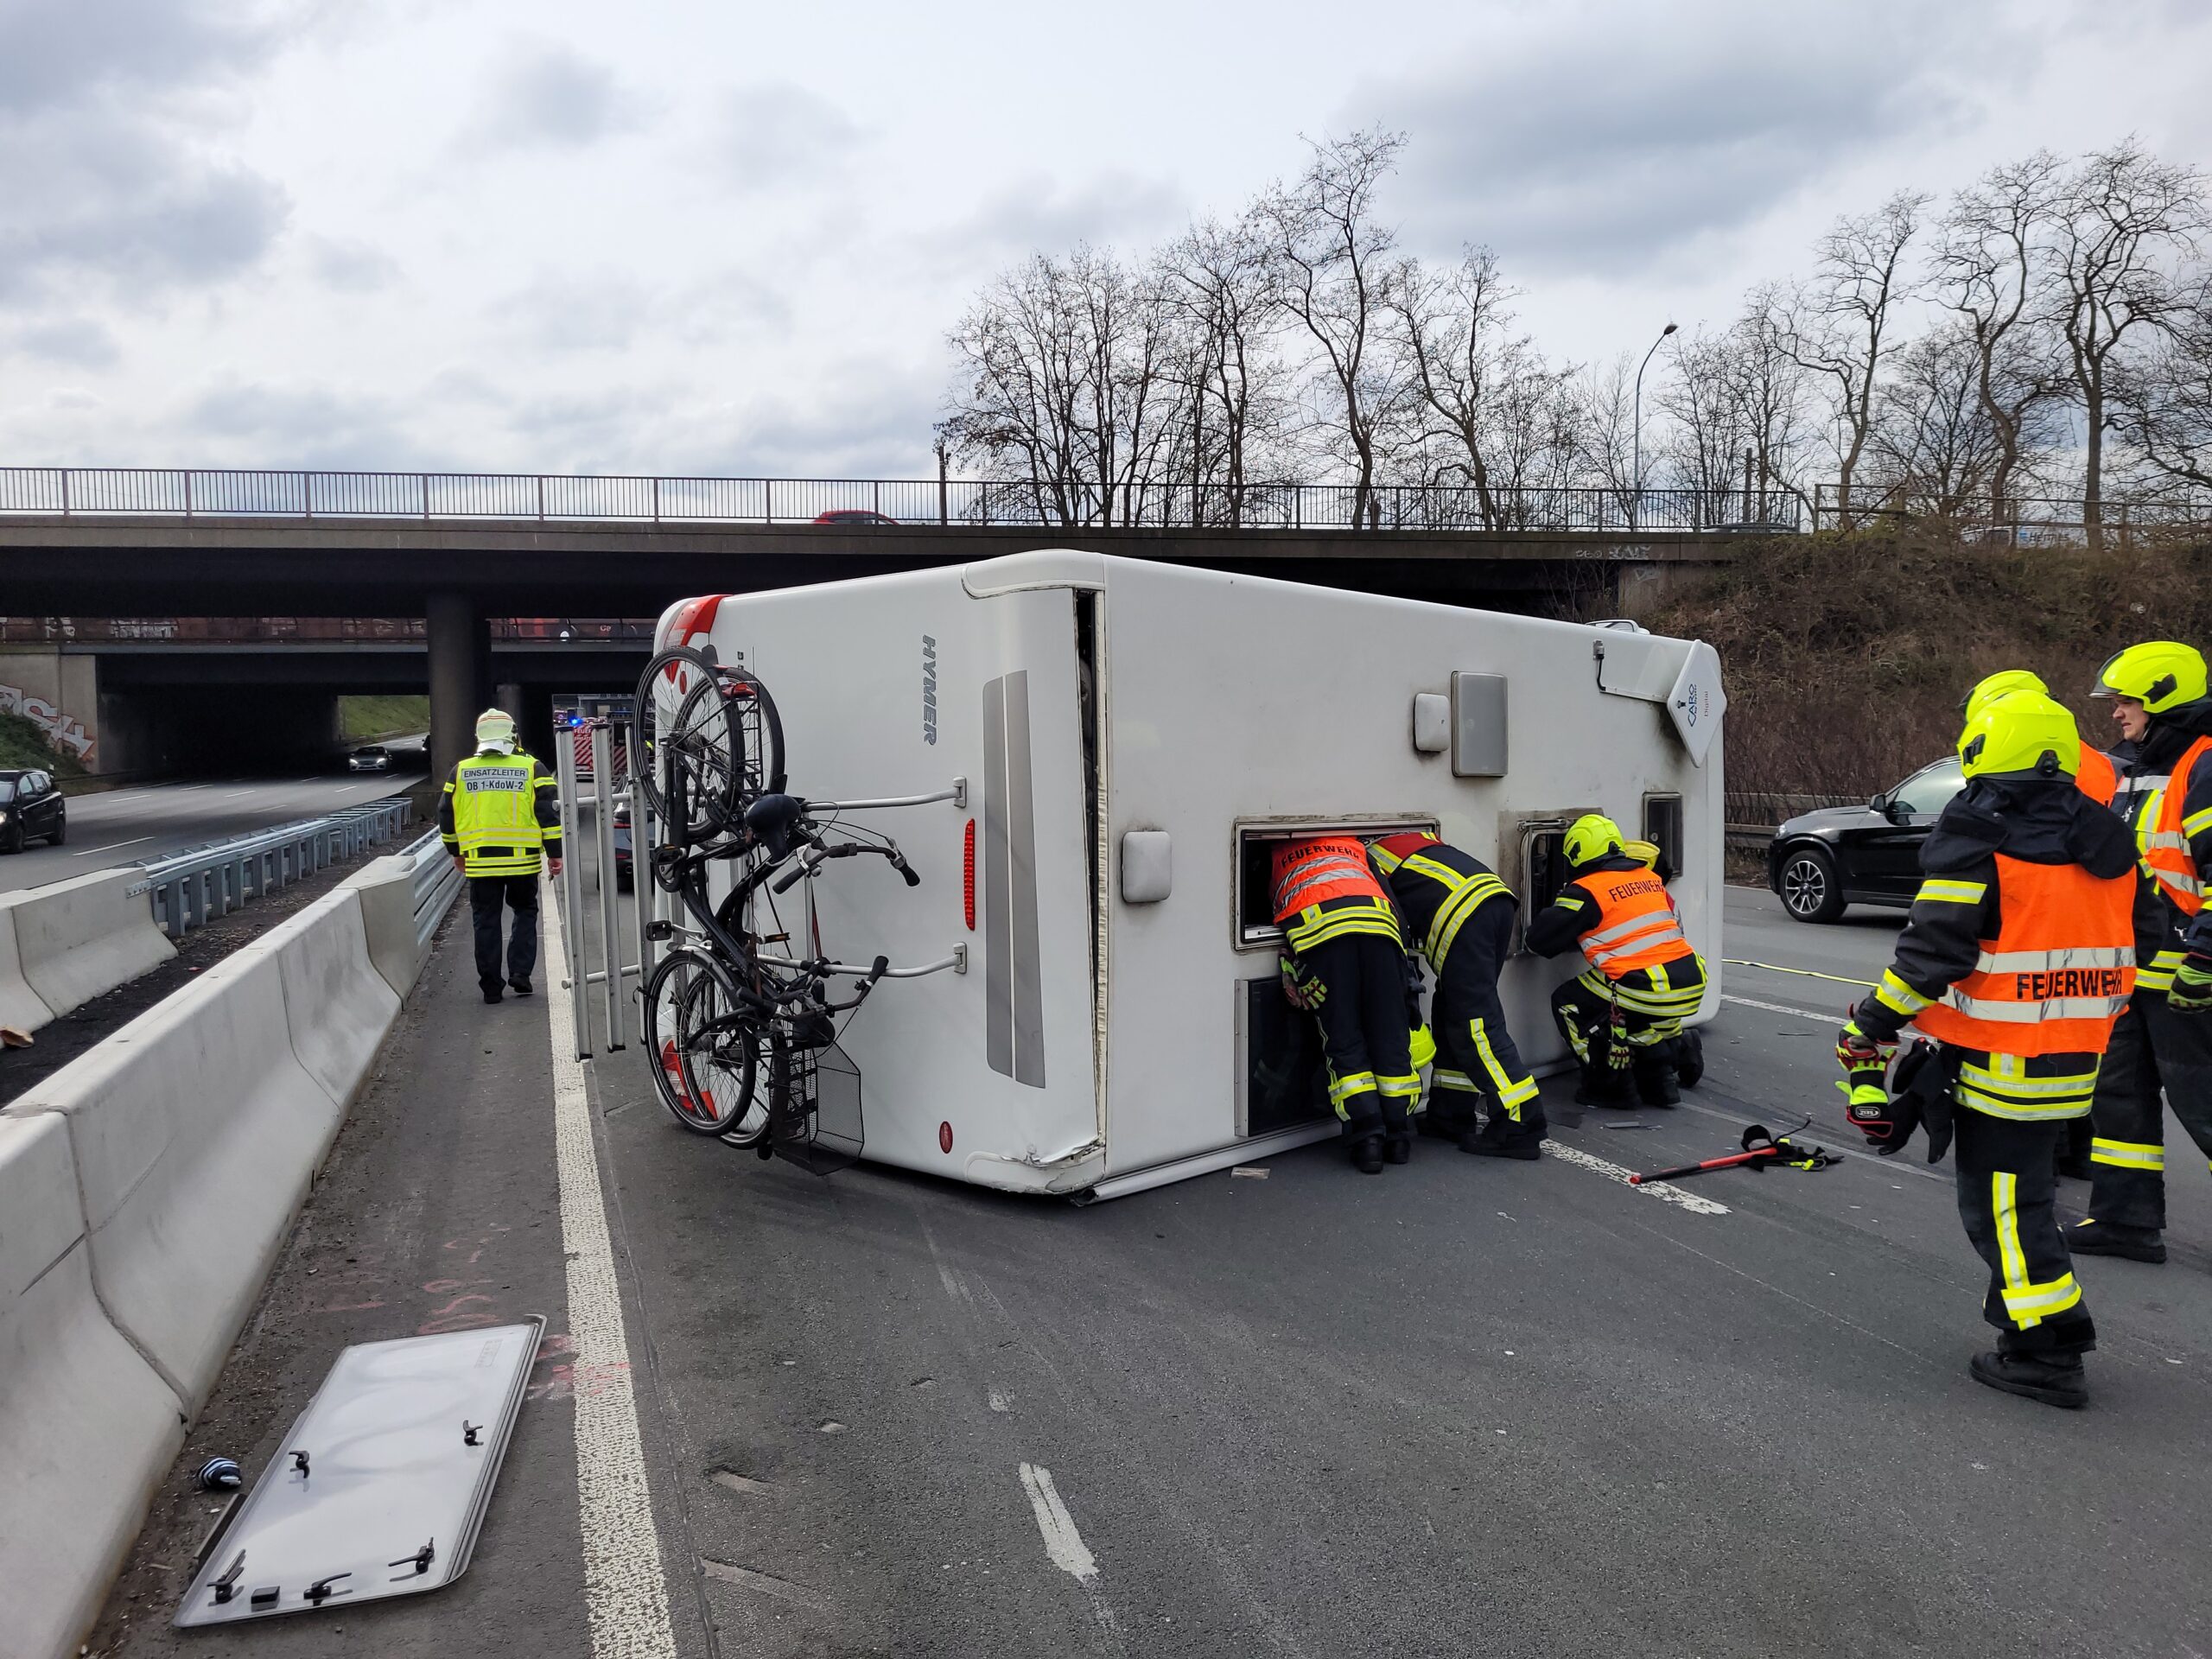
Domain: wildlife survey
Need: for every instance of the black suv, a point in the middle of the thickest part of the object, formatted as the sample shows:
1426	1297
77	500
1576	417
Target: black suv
31	808
1819	862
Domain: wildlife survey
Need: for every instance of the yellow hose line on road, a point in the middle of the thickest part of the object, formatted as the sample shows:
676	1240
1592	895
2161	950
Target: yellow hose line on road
1802	973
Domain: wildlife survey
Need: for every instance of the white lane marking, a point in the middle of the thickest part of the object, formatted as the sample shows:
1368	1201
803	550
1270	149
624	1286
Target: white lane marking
625	1594
110	847
955	1286
1062	1541
234	794
1611	1172
1783	1007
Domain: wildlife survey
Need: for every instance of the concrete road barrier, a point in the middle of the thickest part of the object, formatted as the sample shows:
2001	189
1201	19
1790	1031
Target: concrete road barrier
20	1005
85	1426
81	939
387	889
339	1005
195	1129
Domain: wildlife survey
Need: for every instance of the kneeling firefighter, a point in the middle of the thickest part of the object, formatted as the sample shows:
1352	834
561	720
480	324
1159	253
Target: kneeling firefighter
1345	961
1621	1014
1461	917
2018	956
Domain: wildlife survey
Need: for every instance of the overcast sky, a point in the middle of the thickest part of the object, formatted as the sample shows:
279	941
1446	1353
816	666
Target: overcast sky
729	238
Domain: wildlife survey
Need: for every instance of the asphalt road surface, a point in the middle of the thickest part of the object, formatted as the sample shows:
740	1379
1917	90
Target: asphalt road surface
1464	1406
125	826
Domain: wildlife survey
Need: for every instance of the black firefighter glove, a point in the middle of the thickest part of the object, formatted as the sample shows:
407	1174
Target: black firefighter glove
1886	1122
2192	987
1923	1079
1301	987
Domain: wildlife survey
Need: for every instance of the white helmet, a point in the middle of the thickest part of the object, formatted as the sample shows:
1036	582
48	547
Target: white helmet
495	729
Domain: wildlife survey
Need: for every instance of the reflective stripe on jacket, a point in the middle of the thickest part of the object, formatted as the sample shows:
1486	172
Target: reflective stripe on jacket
1321	868
2056	975
498	806
1636	927
1437	887
2163	833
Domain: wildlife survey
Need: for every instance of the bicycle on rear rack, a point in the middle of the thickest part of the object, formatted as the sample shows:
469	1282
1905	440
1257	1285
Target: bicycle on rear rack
744	1039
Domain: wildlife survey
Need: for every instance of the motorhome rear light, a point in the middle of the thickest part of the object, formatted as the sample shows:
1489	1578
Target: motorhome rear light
944	1137
967	874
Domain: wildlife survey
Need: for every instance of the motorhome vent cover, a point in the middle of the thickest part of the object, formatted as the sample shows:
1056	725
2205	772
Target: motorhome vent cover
1479	725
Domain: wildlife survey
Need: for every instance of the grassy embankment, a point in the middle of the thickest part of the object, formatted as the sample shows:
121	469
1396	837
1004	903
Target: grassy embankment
362	720
23	743
1846	656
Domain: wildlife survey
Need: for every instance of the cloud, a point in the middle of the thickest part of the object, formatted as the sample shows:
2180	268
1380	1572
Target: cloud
576	312
347	266
309	426
104	113
543	95
1035	214
1599	138
776	133
84	341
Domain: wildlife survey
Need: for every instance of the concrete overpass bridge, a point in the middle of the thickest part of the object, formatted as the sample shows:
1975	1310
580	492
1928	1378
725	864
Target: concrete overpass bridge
455	550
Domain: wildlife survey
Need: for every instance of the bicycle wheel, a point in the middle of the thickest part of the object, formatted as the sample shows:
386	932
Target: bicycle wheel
687	990
726	1060
718	727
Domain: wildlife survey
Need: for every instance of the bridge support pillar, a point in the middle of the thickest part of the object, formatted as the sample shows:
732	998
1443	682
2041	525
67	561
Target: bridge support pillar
460	650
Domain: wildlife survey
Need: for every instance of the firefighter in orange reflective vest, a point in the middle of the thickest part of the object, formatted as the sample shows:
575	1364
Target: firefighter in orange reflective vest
1345	961
2163	1044
1459	916
2099	779
1621	1013
2018	958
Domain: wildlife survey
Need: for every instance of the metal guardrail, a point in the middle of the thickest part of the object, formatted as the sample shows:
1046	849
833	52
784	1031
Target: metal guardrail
437	884
191	888
858	504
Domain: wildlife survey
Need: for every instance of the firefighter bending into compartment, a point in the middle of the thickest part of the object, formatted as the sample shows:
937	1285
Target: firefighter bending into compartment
1345	962
501	812
1623	1013
2164	1042
2016	959
1459	916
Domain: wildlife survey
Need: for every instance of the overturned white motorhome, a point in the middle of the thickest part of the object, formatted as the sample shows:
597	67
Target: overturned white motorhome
1131	736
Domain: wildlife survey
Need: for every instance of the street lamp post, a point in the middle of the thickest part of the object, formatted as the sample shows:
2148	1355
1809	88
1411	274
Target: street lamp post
1636	502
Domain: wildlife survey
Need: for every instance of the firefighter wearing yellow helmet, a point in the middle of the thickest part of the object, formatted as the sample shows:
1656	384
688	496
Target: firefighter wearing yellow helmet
2015	963
2163	1044
1641	979
500	820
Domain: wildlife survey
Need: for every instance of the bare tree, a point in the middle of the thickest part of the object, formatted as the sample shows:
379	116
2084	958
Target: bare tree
1773	399
1220	279
1066	376
1484	403
1605	400
2163	398
1838	326
1333	267
1934	448
1986	269
2122	214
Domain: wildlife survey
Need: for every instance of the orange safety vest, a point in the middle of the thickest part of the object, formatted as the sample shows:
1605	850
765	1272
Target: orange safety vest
2166	843
1637	925
2058	973
2098	778
1311	872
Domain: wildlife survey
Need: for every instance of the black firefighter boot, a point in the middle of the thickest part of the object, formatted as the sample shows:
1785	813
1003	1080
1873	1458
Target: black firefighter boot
1367	1153
1656	1084
2090	1237
1504	1138
2057	1379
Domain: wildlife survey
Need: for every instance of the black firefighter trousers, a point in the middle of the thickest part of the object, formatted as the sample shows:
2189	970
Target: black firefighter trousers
1476	1059
486	895
1365	1034
2006	1191
2153	1050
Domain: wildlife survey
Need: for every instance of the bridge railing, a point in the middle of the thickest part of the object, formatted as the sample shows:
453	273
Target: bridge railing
201	492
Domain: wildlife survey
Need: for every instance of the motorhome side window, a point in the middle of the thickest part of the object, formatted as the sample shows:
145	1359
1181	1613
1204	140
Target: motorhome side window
1256	850
1663	828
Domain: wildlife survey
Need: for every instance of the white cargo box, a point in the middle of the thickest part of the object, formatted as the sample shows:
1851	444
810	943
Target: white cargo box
1133	736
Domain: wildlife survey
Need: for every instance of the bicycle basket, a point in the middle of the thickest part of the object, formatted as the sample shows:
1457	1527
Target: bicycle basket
817	1121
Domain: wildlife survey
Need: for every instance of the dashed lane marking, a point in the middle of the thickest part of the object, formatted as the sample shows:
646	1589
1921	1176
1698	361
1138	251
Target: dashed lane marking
1062	1541
626	1596
1614	1172
1802	973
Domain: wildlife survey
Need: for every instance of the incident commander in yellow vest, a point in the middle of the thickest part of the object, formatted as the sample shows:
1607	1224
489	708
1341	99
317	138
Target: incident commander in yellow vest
500	820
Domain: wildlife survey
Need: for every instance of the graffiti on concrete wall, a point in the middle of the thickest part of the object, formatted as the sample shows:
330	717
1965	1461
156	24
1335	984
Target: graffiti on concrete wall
67	730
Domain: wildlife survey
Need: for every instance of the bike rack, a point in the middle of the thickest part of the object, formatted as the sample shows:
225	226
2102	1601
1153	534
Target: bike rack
612	779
